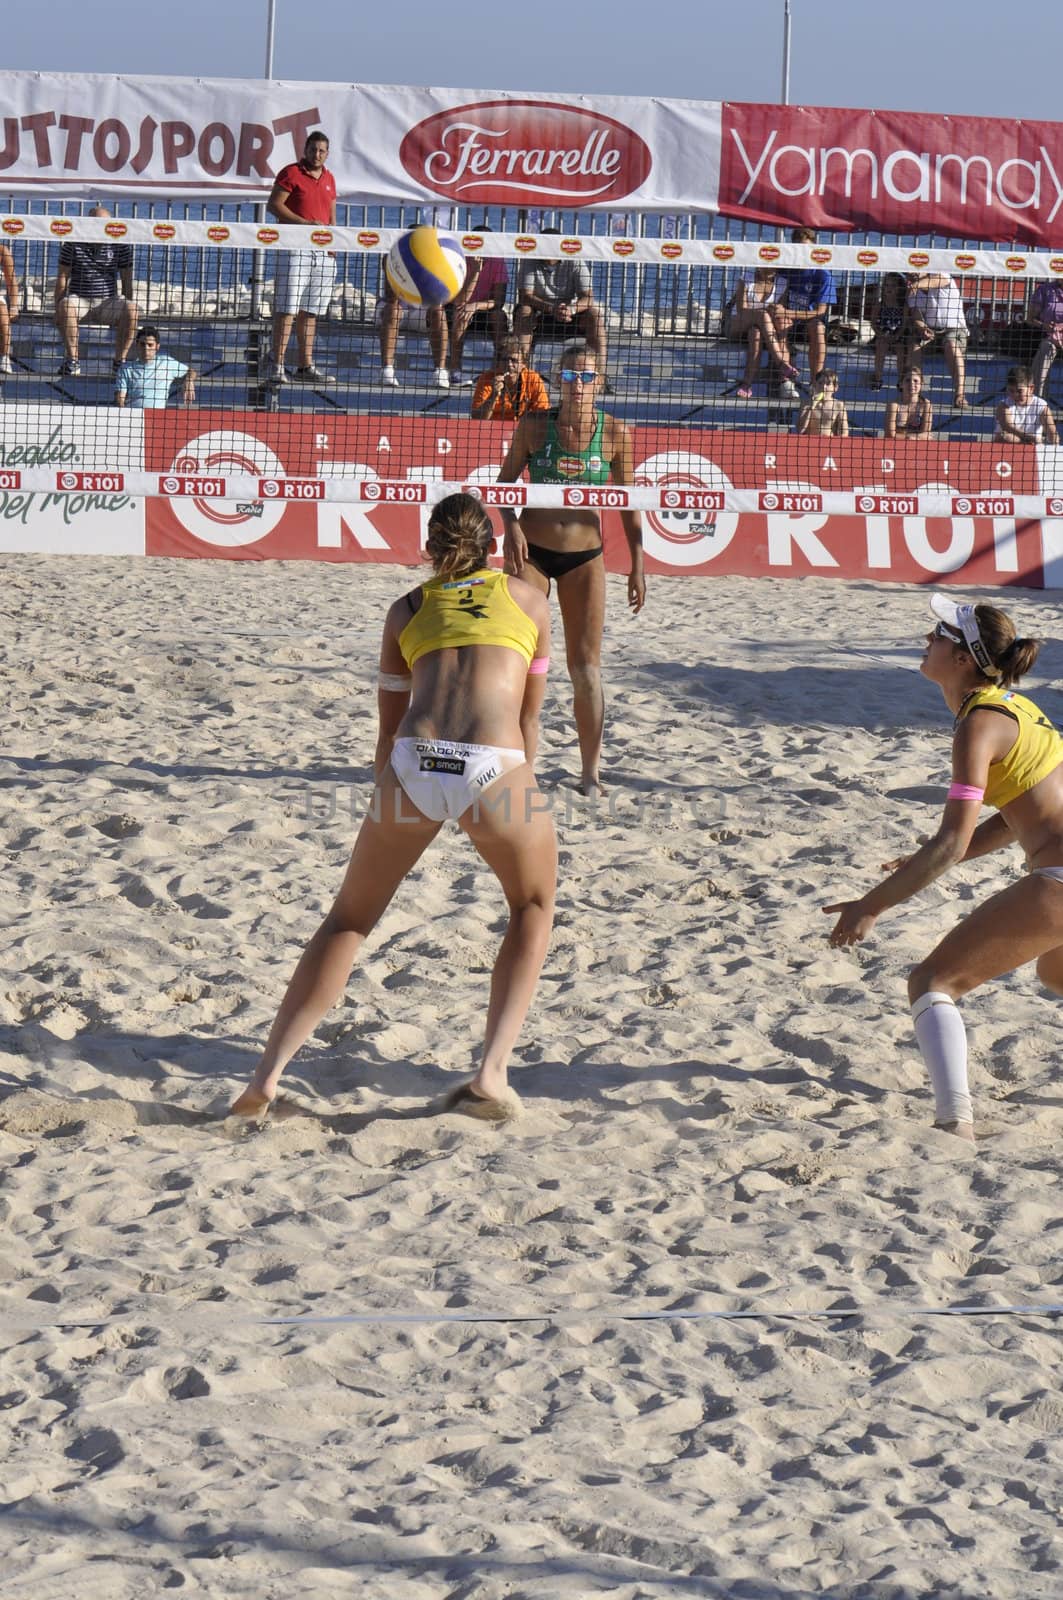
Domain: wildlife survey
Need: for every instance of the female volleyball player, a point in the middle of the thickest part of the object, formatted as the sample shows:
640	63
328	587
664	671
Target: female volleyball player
1005	751
463	666
574	444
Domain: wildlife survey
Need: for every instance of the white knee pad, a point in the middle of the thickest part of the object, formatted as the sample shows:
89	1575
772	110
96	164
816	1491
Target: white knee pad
942	1039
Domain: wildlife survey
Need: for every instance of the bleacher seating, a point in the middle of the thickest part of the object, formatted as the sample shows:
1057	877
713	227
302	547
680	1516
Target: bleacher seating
687	380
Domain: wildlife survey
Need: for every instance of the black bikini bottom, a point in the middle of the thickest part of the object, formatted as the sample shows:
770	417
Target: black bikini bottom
555	563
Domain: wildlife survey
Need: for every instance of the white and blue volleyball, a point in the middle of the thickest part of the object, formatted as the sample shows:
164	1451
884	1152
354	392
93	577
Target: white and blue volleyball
426	267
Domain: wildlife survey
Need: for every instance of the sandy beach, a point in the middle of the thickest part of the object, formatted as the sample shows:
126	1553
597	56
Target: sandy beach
508	1376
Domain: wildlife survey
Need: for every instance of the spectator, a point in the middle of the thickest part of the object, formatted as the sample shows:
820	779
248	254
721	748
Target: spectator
86	290
510	389
912	416
1046	311
145	384
810	292
1024	417
754	291
303	195
555	300
8	307
824	415
390	309
482	294
890	325
935	312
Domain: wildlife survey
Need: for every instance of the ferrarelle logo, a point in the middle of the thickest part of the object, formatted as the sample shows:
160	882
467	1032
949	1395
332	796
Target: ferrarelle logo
501	151
909	177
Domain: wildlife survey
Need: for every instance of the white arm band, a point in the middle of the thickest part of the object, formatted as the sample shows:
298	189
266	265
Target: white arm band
397	682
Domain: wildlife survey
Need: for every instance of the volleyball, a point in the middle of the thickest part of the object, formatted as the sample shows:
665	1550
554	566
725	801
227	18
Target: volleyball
426	267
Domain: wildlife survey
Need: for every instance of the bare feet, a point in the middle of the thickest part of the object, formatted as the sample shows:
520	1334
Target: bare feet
591	785
468	1103
252	1103
962	1130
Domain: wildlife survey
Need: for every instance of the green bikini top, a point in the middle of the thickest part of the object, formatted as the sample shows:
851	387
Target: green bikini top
551	464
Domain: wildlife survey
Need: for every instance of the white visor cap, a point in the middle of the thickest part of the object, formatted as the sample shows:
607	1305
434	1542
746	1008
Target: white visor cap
962	619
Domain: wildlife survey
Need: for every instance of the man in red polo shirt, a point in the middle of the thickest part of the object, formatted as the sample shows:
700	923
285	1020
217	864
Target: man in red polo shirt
304	195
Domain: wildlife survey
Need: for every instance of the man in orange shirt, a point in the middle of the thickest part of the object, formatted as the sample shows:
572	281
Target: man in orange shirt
510	389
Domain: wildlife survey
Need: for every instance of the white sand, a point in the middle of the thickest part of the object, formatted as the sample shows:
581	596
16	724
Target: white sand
720	1112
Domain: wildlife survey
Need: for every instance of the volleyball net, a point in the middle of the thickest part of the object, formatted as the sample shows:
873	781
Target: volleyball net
706	350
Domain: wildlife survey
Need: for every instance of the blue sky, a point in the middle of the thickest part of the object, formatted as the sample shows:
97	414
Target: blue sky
945	55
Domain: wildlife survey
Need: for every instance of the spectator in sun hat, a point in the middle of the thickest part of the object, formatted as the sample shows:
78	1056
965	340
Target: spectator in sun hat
147	383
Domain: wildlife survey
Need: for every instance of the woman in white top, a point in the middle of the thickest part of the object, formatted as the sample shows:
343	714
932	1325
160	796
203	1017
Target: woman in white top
1024	418
935	311
757	289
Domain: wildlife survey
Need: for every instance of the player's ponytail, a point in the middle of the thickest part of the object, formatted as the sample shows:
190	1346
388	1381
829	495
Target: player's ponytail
1013	657
460	536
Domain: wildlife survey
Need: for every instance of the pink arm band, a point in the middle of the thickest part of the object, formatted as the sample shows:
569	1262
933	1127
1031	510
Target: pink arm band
541	664
964	791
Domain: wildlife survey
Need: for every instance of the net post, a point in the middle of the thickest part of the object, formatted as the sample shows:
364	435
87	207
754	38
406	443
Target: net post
261	396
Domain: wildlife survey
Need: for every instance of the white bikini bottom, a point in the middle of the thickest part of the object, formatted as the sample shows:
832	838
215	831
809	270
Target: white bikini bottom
444	779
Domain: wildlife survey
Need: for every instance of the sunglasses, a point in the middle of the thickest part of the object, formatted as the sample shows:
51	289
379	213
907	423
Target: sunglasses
943	631
568	375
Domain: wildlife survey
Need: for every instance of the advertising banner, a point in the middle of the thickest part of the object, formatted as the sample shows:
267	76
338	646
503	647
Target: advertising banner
724	504
989	179
347	488
228	138
96	515
975	178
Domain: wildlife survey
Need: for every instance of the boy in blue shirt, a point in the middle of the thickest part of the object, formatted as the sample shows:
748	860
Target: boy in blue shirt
805	302
145	384
810	293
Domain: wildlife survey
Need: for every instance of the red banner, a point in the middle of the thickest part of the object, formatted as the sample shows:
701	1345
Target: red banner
982	178
788	535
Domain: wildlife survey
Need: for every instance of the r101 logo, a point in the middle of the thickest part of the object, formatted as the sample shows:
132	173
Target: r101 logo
983	505
888	505
199	488
90	482
692	500
597	499
780	500
291	488
403	494
499	494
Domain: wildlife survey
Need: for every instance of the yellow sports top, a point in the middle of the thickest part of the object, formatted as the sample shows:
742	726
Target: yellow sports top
1037	751
474	610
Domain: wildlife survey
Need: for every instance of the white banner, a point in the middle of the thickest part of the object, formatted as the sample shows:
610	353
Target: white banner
94	136
610	247
99	516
